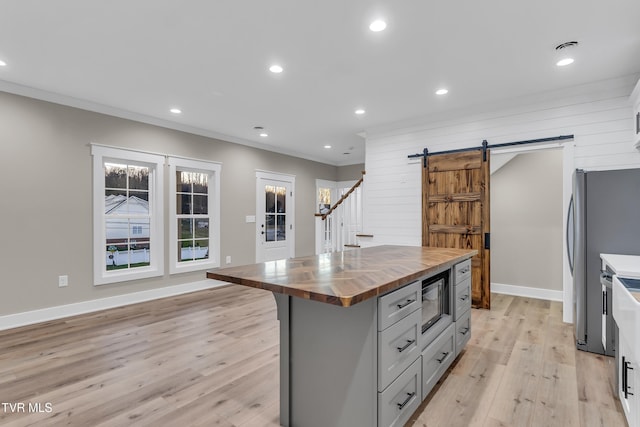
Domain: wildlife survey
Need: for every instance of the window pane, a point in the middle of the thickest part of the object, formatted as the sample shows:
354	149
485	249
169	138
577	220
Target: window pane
281	229
201	183
270	195
200	204
139	228
139	254
282	196
185	228
183	204
115	202
201	249
116	230
117	257
202	228
270	228
182	182
138	177
185	250
115	175
138	202
324	196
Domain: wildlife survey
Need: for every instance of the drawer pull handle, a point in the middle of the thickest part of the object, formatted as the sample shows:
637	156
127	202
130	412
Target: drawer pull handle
464	270
464	298
625	379
444	356
407	400
406	346
464	332
409	301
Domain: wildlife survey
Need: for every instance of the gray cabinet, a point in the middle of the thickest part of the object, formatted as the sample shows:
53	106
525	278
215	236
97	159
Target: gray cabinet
410	363
398	401
463	331
436	358
462	271
462	305
463	298
397	348
398	304
399	370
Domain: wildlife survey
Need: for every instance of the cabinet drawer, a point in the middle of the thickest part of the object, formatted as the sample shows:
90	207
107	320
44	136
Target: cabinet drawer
398	304
401	398
462	271
463	298
398	348
463	331
436	358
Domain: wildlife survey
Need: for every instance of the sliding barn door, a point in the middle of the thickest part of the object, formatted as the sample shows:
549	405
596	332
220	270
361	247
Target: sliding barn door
455	211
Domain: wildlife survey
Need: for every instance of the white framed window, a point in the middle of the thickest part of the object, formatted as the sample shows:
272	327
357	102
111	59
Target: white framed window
194	209
128	238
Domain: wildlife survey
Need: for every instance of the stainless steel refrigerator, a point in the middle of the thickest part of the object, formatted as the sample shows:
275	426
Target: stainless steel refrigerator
603	217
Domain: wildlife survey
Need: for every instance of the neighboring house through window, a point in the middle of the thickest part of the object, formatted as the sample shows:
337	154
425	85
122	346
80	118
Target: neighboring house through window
195	214
127	209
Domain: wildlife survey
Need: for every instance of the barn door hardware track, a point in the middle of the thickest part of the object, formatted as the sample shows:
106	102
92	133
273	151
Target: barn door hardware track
485	146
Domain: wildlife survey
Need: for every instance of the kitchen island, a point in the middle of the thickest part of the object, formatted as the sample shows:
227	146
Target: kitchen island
352	351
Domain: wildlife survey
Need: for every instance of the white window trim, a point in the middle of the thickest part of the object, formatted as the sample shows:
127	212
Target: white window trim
156	227
213	169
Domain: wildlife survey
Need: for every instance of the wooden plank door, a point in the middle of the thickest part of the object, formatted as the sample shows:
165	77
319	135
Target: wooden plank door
455	211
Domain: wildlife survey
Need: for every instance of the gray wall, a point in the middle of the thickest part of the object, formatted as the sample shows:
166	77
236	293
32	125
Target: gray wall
349	173
526	221
46	208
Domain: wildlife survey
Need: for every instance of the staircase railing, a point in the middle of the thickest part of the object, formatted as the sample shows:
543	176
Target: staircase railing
343	198
342	223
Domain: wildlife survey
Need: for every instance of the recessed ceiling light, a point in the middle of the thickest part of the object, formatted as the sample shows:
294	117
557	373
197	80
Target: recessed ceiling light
565	52
276	69
377	25
564	61
442	91
2	63
359	111
264	134
327	146
176	111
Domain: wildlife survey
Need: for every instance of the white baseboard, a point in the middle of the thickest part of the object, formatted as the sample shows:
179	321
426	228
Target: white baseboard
62	311
525	291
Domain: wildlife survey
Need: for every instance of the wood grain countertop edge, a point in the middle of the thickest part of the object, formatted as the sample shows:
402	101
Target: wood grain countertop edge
343	301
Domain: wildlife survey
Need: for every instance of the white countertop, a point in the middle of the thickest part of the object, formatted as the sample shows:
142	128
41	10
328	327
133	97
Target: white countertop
623	265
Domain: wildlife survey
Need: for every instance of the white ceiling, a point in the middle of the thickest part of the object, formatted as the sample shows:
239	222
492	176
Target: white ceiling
139	58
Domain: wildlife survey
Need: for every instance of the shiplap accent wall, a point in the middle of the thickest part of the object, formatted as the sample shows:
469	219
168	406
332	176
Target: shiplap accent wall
598	114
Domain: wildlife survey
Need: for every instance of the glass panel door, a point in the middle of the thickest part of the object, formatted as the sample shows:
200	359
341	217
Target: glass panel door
274	221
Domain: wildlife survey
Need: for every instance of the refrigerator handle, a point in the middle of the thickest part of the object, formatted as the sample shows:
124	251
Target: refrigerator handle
570	244
579	258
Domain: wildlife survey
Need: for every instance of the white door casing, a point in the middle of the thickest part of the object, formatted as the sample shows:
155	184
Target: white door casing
275	216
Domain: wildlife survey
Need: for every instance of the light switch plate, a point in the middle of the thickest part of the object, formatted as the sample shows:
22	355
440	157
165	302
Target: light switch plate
63	281
250	218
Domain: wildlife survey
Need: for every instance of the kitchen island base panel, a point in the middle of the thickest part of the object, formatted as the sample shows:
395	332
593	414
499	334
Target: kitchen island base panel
328	366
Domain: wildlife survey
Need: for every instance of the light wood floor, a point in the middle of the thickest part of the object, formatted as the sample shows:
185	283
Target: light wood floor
211	359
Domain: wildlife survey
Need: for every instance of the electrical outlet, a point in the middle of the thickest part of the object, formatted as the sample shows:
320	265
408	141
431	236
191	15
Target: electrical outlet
63	281
228	259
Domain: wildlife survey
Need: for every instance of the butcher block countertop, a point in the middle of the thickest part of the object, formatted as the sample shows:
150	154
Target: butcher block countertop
344	278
